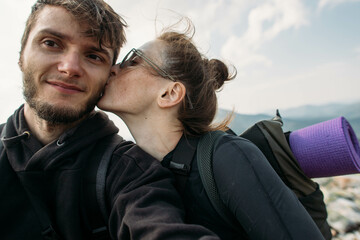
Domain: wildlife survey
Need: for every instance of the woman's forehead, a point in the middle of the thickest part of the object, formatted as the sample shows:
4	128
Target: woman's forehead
155	50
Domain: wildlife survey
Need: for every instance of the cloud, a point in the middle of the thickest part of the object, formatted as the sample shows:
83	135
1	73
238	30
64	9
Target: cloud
219	16
211	18
357	52
235	30
333	3
265	22
306	86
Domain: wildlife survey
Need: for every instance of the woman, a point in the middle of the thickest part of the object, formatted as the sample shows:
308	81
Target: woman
165	93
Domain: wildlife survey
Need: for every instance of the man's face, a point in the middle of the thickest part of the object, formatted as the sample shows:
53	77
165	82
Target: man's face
64	71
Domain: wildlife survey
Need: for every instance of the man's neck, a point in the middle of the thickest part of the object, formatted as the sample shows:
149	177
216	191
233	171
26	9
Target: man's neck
43	130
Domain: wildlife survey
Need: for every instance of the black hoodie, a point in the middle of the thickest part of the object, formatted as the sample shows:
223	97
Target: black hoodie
139	192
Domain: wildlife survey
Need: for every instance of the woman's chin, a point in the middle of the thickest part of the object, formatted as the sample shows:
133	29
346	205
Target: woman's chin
101	105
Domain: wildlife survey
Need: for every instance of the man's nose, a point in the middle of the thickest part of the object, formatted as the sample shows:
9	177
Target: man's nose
70	64
115	70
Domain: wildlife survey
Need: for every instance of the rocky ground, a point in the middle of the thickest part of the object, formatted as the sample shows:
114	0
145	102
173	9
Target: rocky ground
342	198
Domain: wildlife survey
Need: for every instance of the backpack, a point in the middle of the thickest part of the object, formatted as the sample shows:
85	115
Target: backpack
94	190
269	137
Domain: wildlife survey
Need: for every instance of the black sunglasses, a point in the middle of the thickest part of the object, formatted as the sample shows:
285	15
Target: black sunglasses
129	57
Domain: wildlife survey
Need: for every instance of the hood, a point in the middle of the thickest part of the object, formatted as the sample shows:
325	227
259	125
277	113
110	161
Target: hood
30	154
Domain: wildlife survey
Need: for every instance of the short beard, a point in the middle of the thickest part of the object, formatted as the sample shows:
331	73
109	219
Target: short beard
50	113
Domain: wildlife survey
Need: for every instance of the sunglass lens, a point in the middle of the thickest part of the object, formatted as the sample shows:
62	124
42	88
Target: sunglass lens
127	60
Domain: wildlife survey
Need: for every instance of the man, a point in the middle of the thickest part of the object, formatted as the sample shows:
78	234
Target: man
49	143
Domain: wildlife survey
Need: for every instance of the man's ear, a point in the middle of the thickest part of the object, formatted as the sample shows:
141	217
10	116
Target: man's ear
172	95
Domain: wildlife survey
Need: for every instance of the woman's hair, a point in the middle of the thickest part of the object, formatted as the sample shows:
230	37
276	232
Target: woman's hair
104	23
202	78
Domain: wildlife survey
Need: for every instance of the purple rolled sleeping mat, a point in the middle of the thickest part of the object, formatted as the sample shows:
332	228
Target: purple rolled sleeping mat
326	149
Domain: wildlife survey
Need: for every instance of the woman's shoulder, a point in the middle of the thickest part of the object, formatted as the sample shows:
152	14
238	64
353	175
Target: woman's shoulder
236	144
232	151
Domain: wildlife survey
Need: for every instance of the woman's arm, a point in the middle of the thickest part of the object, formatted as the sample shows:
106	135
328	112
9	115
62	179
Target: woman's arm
256	195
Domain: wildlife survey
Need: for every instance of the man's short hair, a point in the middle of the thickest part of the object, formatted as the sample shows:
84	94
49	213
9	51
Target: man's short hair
104	23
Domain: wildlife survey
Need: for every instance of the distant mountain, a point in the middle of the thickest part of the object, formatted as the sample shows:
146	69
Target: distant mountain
351	110
300	117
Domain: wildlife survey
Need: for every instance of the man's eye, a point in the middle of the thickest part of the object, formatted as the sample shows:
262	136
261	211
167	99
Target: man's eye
50	43
95	57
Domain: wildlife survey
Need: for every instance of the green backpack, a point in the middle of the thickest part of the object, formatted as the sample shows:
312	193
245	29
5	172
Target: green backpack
269	137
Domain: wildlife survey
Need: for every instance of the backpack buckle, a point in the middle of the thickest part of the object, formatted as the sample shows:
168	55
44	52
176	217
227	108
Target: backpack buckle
179	168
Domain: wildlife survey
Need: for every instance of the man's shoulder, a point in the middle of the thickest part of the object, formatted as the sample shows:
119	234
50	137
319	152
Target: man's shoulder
128	151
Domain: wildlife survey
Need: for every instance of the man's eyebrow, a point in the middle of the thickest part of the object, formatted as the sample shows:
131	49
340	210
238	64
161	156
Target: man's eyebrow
53	32
101	50
66	37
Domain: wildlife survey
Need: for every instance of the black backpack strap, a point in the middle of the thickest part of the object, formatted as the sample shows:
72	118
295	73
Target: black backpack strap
101	173
2	129
94	186
181	161
205	152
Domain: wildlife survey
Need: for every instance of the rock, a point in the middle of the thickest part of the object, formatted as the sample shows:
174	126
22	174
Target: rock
342	198
344	214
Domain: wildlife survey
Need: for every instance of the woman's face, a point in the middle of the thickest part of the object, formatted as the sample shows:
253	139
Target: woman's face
134	87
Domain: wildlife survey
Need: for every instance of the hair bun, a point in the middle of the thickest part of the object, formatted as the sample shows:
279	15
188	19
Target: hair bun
219	73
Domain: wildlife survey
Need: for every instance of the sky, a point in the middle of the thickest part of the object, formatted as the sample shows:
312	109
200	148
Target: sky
287	53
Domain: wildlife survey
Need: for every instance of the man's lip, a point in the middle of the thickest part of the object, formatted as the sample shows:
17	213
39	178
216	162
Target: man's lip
65	86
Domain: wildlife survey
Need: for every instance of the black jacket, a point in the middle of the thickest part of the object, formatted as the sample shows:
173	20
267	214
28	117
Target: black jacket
264	207
142	201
